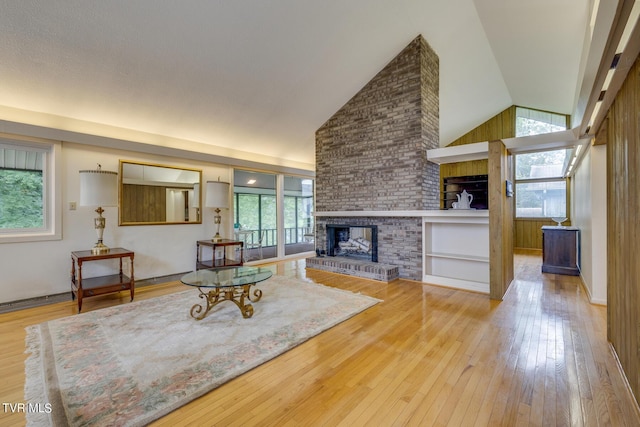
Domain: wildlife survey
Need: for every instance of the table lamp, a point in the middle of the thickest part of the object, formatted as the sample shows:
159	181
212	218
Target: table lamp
99	188
217	197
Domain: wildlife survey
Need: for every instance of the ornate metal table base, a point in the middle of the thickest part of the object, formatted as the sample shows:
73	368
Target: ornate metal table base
235	294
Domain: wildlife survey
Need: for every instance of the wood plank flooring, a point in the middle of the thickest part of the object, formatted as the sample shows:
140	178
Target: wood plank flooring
425	356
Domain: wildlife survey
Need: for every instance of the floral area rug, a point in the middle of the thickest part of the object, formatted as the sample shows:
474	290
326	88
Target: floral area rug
133	363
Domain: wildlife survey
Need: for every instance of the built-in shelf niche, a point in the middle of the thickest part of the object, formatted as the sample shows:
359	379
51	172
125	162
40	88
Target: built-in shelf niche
456	250
476	185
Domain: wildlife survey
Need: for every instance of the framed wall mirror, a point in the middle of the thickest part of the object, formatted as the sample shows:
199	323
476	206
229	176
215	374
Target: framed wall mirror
152	194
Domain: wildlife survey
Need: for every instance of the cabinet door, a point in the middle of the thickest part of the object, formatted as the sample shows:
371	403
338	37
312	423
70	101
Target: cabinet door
560	255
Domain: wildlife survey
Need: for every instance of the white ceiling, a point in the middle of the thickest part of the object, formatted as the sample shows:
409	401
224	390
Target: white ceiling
261	76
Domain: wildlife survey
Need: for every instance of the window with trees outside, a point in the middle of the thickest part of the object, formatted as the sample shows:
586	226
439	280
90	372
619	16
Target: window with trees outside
535	122
27	205
298	215
257	214
541	188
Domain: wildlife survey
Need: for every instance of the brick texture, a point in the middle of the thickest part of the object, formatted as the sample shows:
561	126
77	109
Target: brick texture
371	155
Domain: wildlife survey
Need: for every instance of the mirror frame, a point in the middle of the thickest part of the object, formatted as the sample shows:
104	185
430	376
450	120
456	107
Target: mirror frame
121	184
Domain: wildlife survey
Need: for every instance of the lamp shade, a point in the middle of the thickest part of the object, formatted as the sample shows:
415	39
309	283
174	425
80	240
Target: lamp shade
98	188
217	194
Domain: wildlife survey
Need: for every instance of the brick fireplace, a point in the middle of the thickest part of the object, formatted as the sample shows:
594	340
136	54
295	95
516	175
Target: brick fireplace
353	241
371	157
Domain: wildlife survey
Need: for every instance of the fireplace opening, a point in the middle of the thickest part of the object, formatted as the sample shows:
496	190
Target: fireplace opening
356	241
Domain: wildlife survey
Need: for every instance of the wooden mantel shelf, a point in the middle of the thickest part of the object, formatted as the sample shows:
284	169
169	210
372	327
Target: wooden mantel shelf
445	215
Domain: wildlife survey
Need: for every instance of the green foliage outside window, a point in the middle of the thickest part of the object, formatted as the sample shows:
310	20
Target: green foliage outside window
269	212
543	164
247	211
535	122
289	212
256	209
257	212
297	211
525	127
21	199
540	189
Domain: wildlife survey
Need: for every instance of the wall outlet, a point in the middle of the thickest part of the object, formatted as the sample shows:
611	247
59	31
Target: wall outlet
72	206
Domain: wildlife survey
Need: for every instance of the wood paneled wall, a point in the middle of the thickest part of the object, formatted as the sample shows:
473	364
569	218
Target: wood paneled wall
474	167
145	203
623	226
528	232
500	126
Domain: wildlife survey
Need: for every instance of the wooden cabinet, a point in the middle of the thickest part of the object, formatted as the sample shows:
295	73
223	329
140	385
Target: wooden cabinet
476	185
224	253
561	250
88	287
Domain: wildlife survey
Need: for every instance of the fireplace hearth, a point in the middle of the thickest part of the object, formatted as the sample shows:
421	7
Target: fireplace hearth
353	241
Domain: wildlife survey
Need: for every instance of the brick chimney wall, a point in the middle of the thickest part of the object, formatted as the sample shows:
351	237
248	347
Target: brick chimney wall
371	156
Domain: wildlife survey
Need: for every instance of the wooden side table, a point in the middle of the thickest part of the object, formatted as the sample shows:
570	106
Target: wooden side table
561	250
93	286
225	261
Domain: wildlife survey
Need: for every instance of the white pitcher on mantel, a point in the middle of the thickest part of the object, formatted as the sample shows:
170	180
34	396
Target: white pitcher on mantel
464	200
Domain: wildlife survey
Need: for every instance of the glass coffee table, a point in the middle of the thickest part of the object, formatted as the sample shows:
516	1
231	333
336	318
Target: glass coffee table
226	284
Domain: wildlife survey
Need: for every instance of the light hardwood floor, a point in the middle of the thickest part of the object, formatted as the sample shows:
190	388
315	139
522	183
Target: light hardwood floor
425	356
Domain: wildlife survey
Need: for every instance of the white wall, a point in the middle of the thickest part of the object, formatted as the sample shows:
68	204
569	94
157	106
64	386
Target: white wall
34	269
589	214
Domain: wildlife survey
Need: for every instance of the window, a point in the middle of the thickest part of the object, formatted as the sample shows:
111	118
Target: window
261	219
255	211
21	197
29	191
541	190
535	122
298	215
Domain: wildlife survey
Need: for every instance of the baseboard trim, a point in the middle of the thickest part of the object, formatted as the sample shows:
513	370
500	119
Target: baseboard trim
586	290
623	374
7	307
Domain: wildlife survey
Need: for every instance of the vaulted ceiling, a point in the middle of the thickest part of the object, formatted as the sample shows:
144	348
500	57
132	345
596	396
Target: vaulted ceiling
248	78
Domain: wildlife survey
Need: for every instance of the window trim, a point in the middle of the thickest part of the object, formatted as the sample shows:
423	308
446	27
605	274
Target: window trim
52	204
